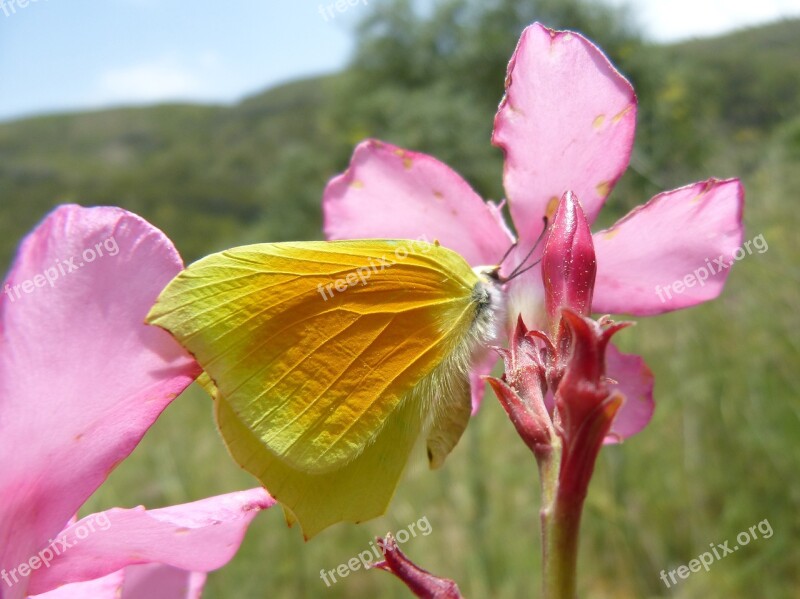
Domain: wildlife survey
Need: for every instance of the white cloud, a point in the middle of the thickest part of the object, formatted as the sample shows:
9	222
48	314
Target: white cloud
148	82
680	19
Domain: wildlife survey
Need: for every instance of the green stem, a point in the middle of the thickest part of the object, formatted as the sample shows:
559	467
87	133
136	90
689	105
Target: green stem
560	517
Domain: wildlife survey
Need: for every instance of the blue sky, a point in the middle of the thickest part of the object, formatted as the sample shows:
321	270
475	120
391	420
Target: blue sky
79	54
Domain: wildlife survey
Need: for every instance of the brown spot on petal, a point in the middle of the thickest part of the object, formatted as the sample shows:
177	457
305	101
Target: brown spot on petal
703	193
182	531
598	121
407	161
438	195
357	184
552	206
79	436
603	188
168	397
620	115
611	233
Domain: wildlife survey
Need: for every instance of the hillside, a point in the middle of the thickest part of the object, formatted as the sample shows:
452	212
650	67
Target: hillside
205	173
200	172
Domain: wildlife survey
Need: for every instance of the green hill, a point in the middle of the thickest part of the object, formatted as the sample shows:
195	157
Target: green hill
202	173
206	173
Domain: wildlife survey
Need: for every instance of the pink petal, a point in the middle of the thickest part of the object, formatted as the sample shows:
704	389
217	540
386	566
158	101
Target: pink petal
155	581
81	377
199	537
635	382
149	581
392	193
525	295
566	123
674	238
107	587
483	366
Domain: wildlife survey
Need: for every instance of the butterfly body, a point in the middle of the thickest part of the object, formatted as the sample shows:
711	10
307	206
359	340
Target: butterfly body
327	360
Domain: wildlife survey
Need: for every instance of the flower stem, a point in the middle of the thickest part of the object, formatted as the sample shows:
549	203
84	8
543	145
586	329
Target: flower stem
560	517
560	527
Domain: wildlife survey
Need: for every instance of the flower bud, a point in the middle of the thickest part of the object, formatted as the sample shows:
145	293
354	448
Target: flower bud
521	391
420	582
568	262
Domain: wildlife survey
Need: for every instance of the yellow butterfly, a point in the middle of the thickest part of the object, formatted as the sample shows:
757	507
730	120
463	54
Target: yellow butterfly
327	360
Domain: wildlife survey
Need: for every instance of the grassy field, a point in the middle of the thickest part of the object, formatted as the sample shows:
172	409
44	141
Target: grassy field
722	453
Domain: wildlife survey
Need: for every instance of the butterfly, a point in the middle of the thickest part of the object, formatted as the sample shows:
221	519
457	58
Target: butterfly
328	360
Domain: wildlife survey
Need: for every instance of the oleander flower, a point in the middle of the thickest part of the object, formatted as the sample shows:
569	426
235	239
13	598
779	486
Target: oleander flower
82	378
567	122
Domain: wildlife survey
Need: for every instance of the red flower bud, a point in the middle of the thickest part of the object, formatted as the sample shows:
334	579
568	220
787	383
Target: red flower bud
522	388
585	406
568	262
420	582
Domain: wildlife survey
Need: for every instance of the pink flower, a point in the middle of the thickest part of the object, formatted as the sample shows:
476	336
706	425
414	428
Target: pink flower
82	378
566	123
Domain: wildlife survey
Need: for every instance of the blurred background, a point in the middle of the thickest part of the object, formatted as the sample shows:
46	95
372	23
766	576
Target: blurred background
221	124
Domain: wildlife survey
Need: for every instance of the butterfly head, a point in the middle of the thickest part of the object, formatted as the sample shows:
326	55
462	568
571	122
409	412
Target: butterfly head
489	297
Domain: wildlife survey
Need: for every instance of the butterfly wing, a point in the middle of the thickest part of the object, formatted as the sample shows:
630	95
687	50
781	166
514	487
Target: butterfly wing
314	345
358	491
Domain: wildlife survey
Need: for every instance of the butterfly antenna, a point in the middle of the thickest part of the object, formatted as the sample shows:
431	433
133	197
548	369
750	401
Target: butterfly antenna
518	272
508	251
519	269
